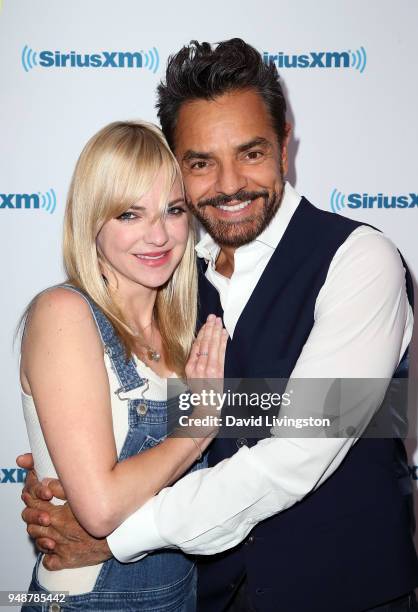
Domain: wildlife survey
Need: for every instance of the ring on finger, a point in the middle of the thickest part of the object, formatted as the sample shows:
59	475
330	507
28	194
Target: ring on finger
205	353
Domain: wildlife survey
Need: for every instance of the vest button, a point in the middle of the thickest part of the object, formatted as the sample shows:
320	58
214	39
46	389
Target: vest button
242	442
141	409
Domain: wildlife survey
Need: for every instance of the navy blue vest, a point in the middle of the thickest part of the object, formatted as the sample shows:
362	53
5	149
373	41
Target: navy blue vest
347	546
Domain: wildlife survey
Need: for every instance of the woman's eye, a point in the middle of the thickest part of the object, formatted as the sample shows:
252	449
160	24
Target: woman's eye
176	211
127	216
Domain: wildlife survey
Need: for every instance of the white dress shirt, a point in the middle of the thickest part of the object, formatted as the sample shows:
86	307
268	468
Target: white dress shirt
362	326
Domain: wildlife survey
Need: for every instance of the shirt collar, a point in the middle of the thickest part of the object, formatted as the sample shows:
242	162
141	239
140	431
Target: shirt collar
207	248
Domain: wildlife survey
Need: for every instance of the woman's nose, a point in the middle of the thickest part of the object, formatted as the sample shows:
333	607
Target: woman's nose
157	233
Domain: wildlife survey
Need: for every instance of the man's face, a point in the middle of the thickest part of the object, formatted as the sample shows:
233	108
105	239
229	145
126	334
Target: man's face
232	165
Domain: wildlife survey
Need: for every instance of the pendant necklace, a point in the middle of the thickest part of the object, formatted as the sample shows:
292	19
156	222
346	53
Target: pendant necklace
152	353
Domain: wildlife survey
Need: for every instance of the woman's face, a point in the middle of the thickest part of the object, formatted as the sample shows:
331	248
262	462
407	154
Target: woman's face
144	245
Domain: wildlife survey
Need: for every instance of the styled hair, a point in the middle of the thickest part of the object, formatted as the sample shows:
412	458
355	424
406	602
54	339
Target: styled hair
202	71
117	166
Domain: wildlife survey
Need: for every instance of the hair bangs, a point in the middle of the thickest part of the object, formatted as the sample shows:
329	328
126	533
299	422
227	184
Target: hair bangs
132	172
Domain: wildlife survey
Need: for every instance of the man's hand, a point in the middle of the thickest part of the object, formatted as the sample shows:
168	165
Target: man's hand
54	528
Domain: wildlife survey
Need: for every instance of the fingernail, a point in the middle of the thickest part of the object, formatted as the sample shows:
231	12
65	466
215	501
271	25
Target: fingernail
211	317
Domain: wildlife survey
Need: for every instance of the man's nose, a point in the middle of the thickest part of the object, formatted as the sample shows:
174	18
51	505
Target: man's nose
230	179
157	233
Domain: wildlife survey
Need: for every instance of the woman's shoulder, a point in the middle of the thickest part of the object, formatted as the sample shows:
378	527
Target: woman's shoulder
60	336
61	300
59	307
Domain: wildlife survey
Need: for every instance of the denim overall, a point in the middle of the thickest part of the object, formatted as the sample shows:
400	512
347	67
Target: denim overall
162	581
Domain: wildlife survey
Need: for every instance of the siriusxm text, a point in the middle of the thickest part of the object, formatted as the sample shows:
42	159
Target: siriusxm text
313	59
19	200
10	475
105	59
379	200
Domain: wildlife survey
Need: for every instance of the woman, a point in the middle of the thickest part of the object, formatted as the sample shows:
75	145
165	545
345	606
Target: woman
96	353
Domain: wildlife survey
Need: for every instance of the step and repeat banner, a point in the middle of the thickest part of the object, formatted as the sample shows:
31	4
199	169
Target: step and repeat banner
70	67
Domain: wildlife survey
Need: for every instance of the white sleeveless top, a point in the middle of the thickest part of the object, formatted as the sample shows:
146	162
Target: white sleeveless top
82	580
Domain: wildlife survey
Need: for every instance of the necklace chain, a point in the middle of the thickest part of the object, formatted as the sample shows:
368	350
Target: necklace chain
151	352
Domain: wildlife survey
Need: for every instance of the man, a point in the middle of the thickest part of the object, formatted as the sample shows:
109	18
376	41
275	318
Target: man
301	525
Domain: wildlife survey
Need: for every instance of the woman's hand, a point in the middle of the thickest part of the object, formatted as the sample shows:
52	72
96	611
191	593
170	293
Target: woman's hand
205	378
207	357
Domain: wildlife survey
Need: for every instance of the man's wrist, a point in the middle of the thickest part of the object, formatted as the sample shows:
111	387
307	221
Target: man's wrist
104	549
138	535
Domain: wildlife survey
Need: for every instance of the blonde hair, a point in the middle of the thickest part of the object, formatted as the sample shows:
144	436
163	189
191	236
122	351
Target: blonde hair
117	166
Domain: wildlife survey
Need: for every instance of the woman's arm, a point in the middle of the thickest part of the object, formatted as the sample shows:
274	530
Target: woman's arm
63	366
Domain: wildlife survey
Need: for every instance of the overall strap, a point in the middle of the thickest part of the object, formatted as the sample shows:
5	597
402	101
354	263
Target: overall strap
124	369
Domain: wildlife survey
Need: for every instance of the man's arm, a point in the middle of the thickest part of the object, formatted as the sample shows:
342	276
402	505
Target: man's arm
54	527
363	324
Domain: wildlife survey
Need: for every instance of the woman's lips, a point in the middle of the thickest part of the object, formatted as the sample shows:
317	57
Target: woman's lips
155	259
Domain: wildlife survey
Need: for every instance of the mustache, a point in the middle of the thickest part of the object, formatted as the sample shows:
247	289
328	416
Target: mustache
240	196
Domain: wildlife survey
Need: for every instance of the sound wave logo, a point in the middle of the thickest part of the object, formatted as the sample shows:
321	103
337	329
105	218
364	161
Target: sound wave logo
152	59
359	59
337	201
149	60
380	200
29	58
29	201
319	59
49	201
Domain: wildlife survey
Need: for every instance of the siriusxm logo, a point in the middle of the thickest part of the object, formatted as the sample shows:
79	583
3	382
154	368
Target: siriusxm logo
12	475
103	59
319	59
339	200
26	201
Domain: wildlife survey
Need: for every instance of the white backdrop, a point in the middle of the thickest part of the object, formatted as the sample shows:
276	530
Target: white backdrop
352	95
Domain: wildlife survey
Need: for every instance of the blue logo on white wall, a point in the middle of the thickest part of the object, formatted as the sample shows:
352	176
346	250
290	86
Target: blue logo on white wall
12	475
29	201
356	60
150	60
339	201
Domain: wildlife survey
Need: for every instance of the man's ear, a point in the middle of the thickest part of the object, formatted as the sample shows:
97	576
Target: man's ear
284	149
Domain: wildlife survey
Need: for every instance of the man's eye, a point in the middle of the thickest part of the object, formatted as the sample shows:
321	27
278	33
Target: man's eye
198	165
127	216
254	155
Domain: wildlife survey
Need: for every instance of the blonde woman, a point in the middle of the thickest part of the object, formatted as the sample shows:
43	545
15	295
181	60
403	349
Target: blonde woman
96	353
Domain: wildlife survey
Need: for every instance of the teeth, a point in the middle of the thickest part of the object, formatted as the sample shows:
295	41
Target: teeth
235	207
150	256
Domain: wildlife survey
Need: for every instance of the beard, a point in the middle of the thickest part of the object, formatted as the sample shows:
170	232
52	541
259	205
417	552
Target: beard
237	233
